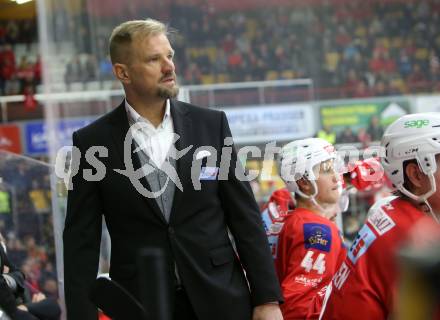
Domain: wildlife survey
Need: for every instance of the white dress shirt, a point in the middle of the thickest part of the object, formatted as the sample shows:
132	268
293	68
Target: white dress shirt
155	141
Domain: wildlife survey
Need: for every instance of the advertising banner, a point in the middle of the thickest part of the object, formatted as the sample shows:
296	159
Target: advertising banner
10	138
256	124
361	118
37	134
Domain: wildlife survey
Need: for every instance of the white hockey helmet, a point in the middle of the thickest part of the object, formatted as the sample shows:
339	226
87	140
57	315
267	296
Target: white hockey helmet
299	158
414	136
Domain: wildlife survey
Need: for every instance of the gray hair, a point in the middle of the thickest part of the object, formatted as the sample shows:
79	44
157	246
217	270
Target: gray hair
123	35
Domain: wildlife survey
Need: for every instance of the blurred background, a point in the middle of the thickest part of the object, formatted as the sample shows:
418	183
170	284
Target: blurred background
281	70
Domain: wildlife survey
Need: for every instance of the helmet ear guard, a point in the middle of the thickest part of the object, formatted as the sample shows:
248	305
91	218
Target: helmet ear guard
428	163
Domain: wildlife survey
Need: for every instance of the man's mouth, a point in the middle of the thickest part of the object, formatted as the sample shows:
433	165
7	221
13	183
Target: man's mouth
168	79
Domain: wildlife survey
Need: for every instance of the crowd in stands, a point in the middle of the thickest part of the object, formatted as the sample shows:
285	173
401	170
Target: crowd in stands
356	49
19	74
15	31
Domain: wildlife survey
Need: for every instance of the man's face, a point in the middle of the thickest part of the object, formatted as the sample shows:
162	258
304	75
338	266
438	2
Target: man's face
327	183
150	68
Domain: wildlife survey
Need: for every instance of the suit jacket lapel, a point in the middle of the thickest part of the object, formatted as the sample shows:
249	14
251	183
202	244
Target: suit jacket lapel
119	129
182	127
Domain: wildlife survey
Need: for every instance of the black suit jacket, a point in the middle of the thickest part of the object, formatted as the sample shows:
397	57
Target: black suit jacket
196	237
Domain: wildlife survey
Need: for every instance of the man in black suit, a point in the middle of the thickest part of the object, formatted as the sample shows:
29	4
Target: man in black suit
185	213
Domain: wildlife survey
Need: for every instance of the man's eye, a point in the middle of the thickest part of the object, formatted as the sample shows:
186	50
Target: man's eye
327	167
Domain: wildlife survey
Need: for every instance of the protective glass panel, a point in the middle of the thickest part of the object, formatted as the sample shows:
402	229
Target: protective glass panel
27	220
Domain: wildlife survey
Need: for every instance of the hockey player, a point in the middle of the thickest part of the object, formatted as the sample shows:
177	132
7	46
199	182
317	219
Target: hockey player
309	245
365	286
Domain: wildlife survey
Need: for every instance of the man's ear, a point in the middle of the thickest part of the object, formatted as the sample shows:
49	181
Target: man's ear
121	72
304	185
417	179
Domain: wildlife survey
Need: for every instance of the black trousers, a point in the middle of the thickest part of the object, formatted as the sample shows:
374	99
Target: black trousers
183	309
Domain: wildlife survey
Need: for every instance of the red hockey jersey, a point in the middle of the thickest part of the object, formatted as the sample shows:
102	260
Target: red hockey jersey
309	252
365	286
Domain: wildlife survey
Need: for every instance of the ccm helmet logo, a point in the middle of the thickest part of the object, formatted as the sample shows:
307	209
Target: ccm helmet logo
416	123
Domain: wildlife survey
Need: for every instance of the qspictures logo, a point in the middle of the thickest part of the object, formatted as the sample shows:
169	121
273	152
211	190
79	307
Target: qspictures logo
208	163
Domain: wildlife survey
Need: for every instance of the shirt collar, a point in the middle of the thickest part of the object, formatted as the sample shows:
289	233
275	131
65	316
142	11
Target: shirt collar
134	116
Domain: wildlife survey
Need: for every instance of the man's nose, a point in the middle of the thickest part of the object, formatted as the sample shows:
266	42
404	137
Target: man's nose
167	65
336	176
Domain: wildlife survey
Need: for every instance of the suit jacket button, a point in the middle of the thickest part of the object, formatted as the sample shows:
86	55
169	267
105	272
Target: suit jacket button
171	231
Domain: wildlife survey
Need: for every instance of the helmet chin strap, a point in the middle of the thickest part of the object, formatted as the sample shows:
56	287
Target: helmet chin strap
312	197
424	197
434	216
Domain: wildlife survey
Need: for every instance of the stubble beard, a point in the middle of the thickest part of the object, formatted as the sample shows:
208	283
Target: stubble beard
168	93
